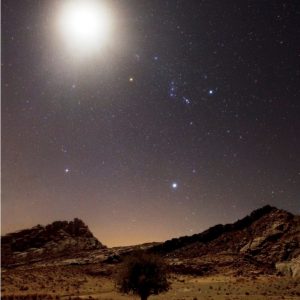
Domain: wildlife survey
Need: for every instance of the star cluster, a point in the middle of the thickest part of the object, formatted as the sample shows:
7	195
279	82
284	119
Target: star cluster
190	119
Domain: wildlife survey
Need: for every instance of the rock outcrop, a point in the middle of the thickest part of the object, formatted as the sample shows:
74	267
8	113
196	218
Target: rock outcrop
61	238
253	245
290	268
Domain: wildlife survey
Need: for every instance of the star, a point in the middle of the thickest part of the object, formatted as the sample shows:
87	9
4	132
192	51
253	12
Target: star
67	170
211	92
174	185
172	89
186	100
137	57
131	79
63	149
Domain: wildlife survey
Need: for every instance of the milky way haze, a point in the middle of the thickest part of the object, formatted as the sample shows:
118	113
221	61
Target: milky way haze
186	116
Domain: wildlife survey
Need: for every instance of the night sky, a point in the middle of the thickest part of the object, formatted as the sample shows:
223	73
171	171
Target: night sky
186	116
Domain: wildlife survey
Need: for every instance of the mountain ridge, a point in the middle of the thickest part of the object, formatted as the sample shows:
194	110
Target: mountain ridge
56	239
257	243
216	230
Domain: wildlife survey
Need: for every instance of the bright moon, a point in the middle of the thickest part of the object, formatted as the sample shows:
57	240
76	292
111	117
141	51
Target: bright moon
85	25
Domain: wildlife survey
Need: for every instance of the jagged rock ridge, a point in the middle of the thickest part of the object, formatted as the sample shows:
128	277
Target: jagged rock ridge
58	238
254	244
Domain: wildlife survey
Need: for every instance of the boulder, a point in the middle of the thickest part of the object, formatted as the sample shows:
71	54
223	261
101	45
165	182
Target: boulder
289	268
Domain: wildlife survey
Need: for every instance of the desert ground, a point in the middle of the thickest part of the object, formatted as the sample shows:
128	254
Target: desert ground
72	282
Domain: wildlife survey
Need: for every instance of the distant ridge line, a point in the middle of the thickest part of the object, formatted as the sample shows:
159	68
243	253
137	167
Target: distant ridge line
215	231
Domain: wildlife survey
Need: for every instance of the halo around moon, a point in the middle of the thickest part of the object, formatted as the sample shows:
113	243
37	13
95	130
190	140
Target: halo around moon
85	25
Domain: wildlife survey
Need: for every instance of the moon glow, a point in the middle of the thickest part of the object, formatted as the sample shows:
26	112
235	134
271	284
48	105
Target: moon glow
85	25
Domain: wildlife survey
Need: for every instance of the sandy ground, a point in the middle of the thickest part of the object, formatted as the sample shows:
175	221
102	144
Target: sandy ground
71	282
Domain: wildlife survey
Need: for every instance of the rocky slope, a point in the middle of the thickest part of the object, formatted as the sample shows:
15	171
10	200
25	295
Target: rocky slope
61	238
254	245
265	242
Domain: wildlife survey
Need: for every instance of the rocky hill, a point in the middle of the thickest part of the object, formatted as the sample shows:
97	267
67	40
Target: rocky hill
265	242
61	238
254	244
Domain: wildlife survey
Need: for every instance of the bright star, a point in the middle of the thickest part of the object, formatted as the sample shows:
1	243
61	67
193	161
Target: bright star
174	185
67	170
131	79
210	92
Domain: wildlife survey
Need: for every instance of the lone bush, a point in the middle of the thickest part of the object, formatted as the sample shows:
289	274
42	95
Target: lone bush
143	274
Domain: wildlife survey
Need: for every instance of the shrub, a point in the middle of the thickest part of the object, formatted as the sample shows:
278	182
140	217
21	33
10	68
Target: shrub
143	274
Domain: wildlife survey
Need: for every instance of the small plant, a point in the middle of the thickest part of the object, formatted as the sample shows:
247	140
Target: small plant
144	275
